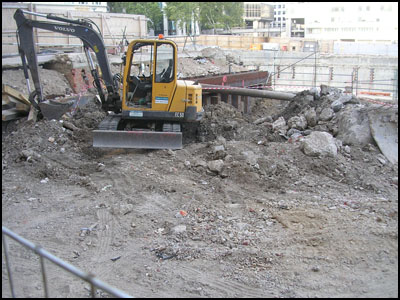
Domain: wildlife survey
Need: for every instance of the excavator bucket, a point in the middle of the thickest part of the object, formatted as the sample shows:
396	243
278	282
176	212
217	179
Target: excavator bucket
137	139
384	129
54	110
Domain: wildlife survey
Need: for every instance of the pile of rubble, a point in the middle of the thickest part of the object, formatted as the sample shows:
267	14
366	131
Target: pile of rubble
328	121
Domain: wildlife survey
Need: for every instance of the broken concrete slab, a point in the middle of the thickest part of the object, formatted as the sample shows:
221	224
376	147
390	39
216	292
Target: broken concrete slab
384	129
353	126
319	144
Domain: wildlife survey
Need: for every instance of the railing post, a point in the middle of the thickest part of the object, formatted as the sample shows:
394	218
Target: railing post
5	245
44	276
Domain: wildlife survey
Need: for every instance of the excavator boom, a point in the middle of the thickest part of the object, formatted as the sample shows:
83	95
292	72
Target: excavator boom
91	40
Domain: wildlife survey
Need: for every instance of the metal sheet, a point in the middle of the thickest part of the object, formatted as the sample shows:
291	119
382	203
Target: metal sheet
385	132
137	139
240	79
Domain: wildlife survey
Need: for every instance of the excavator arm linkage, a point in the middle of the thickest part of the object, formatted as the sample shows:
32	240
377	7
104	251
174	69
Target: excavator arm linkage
78	28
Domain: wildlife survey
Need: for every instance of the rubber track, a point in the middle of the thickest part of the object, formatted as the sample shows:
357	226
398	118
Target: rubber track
110	123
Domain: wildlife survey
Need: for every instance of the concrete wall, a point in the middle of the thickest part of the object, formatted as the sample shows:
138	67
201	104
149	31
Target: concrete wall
8	27
111	26
366	48
297	71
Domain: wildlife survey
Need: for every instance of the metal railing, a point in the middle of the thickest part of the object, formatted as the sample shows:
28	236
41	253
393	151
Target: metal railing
311	75
43	254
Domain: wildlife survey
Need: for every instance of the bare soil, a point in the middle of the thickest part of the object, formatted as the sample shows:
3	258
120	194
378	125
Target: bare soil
272	222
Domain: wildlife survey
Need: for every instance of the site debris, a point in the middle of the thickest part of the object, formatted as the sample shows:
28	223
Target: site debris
293	199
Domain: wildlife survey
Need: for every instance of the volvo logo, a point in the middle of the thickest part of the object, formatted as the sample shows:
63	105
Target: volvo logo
64	29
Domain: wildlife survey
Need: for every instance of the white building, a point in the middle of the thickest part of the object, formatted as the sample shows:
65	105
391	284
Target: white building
375	22
77	6
278	26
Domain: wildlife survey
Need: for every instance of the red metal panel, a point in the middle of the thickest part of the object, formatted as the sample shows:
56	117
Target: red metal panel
235	79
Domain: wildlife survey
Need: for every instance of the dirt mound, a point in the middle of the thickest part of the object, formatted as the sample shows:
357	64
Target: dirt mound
53	83
50	150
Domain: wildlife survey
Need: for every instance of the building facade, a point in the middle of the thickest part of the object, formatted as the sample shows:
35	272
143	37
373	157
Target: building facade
258	15
77	6
375	22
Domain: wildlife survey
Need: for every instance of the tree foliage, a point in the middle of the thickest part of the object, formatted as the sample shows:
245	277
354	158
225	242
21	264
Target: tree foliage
220	14
151	10
182	13
210	15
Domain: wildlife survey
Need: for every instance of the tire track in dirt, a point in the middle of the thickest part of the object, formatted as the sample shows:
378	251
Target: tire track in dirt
223	287
105	234
119	181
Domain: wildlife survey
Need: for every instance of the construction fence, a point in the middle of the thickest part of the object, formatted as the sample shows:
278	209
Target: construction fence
303	71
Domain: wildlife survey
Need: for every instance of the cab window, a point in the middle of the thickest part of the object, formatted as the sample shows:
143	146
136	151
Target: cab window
164	63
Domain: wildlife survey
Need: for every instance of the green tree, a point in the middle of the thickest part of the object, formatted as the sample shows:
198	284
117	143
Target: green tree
210	12
151	10
233	14
183	13
220	14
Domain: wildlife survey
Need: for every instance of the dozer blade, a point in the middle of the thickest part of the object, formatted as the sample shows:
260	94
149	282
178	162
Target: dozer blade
54	110
137	139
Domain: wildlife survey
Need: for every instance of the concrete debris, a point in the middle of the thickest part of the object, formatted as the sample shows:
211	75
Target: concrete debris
216	165
319	144
297	122
353	126
280	125
311	117
326	114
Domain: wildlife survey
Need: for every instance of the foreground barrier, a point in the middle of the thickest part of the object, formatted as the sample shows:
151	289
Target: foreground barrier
43	254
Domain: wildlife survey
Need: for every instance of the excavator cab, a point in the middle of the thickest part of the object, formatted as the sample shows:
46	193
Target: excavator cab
149	75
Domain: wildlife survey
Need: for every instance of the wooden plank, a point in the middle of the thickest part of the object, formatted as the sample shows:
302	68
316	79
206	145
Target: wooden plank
11	114
6	105
15	103
32	114
16	94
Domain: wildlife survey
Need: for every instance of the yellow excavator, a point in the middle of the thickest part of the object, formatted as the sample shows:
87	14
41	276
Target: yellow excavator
146	105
